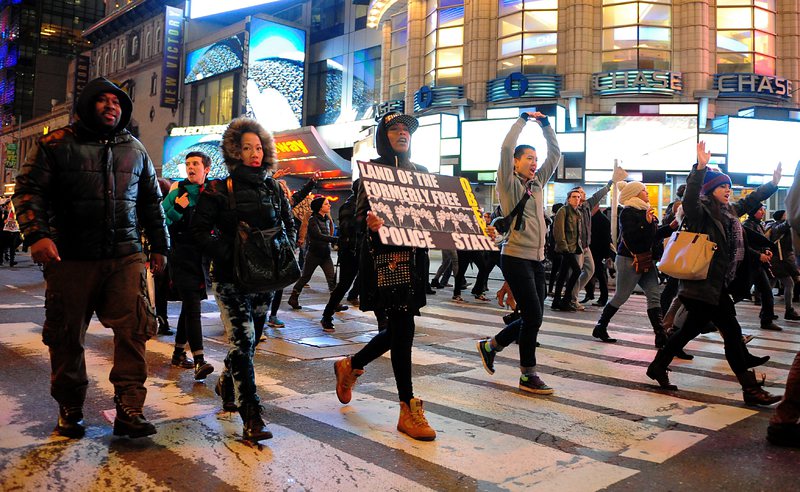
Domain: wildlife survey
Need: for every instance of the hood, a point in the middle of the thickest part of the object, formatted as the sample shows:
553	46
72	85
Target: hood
382	144
231	143
85	105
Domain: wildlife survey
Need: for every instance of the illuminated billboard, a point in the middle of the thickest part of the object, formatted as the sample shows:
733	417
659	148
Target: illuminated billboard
756	146
275	74
204	8
200	139
641	143
223	56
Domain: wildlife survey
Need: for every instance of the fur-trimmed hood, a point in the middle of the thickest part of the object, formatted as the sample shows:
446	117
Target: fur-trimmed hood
232	138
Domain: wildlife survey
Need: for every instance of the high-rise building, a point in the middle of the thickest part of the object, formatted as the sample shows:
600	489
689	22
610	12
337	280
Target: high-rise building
38	39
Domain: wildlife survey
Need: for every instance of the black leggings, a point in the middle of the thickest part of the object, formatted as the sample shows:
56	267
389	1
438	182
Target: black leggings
189	327
398	337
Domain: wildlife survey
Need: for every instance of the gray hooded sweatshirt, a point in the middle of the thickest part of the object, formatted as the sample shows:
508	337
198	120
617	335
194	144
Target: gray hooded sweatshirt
527	242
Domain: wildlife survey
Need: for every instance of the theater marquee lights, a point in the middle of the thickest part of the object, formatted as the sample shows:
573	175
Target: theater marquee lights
377	8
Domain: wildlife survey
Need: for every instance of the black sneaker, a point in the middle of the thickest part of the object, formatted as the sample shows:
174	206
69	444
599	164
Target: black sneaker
327	325
182	360
163	327
201	370
533	384
224	389
341	307
130	421
771	327
70	422
487	356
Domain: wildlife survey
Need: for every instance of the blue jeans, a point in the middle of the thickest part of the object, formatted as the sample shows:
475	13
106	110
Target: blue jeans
527	283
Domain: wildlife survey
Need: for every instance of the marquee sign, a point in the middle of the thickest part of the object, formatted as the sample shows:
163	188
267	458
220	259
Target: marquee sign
637	82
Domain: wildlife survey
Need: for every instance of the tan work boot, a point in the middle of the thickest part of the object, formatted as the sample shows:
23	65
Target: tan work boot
413	422
345	379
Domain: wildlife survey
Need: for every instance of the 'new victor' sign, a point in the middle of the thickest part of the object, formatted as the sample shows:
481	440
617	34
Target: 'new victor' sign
424	210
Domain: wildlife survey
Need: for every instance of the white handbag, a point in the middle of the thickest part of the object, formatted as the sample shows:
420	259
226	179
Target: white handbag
687	256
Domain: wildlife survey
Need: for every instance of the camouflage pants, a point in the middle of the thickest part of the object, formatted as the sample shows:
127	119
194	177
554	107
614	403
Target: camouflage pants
237	310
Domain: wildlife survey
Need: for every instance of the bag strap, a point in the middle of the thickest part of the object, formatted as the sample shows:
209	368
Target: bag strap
231	198
515	217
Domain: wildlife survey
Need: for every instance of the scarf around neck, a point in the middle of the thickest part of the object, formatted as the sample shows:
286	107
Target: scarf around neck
636	203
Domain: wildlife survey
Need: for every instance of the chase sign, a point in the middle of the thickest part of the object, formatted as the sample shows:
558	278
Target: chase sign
637	82
752	85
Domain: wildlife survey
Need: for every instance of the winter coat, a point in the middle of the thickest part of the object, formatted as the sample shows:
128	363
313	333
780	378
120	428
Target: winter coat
601	237
320	237
89	189
186	265
348	230
260	203
636	235
784	262
699	218
567	230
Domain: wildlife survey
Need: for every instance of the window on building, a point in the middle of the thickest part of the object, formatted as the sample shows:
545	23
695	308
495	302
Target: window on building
157	47
444	42
637	35
366	80
399	56
154	84
527	34
113	61
325	81
148	44
746	36
327	19
122	56
213	100
105	64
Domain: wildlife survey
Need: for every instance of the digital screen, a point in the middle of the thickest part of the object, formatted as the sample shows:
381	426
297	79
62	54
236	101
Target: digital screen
223	56
176	148
425	147
642	143
481	141
275	73
204	8
757	146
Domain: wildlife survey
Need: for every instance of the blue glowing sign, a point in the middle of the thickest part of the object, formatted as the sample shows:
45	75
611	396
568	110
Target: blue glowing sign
223	56
275	74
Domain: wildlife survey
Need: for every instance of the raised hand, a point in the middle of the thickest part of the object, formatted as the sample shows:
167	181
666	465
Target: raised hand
280	173
373	221
702	156
776	176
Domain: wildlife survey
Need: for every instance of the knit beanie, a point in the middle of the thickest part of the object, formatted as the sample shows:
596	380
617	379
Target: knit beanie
713	179
316	204
778	215
758	206
629	190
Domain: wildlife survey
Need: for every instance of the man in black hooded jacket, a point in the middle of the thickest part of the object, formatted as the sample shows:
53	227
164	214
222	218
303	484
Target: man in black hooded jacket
83	195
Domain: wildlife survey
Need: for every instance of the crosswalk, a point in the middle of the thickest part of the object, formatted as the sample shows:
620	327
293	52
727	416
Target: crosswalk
605	423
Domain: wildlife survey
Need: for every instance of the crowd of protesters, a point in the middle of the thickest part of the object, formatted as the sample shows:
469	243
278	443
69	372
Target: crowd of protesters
191	226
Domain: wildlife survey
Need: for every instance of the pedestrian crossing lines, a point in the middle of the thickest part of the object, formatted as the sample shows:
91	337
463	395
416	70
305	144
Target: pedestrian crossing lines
605	423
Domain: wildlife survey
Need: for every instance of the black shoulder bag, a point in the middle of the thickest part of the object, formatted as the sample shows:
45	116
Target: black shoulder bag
263	259
504	225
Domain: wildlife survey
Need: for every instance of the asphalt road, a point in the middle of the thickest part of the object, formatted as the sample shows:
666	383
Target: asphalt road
606	427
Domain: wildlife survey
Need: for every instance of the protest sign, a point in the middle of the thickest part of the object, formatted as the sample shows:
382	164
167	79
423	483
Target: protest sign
424	210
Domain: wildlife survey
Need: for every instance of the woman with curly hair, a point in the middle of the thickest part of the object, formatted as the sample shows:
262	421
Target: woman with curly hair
247	195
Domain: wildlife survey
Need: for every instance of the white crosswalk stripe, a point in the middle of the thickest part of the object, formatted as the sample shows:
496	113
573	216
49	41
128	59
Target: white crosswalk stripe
605	423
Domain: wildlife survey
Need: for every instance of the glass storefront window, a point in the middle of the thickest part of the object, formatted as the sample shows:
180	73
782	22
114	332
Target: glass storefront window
746	36
398	56
444	42
453	36
637	34
527	31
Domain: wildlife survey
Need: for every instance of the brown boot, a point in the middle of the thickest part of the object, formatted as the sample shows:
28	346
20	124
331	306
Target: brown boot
413	422
294	300
345	379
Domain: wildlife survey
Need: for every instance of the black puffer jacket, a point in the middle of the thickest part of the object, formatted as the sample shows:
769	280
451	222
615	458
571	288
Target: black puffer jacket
259	201
91	191
319	236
